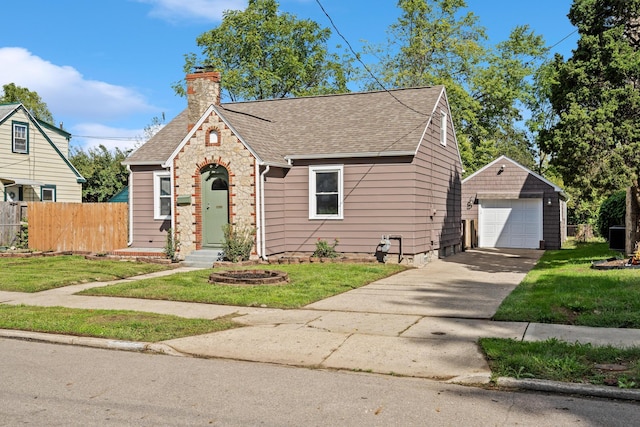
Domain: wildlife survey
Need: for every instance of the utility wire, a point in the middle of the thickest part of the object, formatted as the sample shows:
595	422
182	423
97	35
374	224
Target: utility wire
335	27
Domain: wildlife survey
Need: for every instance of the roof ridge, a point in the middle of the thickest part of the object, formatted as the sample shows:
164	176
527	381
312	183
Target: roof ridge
326	95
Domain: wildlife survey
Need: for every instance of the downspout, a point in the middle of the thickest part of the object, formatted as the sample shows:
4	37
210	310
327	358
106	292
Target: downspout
130	184
262	218
256	174
174	205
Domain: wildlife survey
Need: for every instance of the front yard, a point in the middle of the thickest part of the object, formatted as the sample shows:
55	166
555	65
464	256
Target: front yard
563	288
35	274
308	283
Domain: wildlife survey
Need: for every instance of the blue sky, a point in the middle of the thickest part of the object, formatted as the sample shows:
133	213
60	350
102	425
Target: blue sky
105	68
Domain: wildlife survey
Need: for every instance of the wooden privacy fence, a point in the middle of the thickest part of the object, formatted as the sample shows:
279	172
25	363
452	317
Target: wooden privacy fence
81	227
11	213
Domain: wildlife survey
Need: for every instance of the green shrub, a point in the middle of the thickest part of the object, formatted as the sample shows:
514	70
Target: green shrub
170	246
238	242
325	250
612	212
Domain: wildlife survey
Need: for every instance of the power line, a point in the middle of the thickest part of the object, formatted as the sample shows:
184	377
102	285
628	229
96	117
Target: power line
109	138
335	27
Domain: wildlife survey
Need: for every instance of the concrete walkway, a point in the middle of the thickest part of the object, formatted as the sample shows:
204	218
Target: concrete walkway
423	322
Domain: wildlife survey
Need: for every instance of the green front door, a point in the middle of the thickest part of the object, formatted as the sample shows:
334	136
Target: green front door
215	205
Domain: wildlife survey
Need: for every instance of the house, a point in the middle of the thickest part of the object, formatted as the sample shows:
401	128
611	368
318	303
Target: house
34	164
506	205
352	167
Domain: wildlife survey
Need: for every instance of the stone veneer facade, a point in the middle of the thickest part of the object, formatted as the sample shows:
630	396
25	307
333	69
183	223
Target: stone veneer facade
212	143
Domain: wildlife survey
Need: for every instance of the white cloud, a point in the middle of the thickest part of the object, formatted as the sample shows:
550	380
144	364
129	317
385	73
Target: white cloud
65	90
204	10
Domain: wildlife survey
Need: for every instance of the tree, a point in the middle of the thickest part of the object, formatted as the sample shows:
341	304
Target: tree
31	101
595	94
436	42
262	53
103	171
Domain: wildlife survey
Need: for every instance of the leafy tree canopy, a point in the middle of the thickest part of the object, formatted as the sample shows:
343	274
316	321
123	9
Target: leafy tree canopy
595	95
263	53
31	101
103	171
437	42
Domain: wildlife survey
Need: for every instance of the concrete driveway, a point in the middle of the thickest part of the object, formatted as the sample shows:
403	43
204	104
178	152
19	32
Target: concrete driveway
468	285
423	322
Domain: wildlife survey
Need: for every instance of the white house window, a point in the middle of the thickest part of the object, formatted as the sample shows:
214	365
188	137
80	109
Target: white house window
161	195
443	128
325	192
20	139
48	193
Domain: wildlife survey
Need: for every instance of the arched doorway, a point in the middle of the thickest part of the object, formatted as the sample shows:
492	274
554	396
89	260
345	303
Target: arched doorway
214	181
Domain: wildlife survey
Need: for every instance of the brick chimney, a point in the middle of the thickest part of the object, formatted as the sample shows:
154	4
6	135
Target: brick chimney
203	89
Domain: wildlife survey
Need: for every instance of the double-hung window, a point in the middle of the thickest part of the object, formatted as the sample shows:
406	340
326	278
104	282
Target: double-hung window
20	137
325	192
161	195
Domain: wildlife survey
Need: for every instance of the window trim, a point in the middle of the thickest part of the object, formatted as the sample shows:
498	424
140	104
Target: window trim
313	170
25	125
157	180
54	193
444	117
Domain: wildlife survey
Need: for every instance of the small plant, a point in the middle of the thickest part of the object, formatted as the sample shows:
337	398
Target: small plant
22	239
325	250
238	242
170	246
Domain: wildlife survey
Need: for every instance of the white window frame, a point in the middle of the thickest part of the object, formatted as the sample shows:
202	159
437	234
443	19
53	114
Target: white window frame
14	138
313	170
47	189
157	179
444	121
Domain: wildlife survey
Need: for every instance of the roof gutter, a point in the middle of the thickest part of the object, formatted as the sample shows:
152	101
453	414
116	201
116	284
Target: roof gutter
291	157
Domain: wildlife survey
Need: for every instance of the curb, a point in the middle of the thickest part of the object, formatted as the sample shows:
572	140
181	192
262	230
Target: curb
104	343
570	388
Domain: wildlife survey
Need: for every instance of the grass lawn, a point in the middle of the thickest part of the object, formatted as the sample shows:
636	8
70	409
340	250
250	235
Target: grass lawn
120	324
562	288
35	274
308	283
560	361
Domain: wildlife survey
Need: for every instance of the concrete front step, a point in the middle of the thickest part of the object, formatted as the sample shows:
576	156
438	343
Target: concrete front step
203	258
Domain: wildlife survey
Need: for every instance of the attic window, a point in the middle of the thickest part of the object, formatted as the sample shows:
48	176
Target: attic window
20	137
443	128
212	137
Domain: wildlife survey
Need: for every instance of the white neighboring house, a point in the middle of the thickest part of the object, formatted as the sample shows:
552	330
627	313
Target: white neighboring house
34	163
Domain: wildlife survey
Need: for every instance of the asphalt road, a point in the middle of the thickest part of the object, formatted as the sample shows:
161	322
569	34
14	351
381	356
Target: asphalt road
47	384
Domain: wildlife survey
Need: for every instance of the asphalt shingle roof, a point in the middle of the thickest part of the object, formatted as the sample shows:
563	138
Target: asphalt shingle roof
320	126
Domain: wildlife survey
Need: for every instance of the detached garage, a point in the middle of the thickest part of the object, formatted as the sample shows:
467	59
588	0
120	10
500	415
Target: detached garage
506	205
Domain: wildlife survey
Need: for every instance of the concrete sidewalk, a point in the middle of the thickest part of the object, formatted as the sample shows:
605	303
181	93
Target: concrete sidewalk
421	323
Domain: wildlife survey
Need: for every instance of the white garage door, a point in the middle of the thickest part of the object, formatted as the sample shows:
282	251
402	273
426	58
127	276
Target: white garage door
510	223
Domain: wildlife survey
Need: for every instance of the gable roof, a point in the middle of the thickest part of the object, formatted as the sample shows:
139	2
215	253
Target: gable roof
529	171
383	123
8	110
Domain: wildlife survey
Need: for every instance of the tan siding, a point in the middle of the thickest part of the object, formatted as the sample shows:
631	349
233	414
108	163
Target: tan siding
41	164
275	231
377	198
439	187
516	181
147	231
